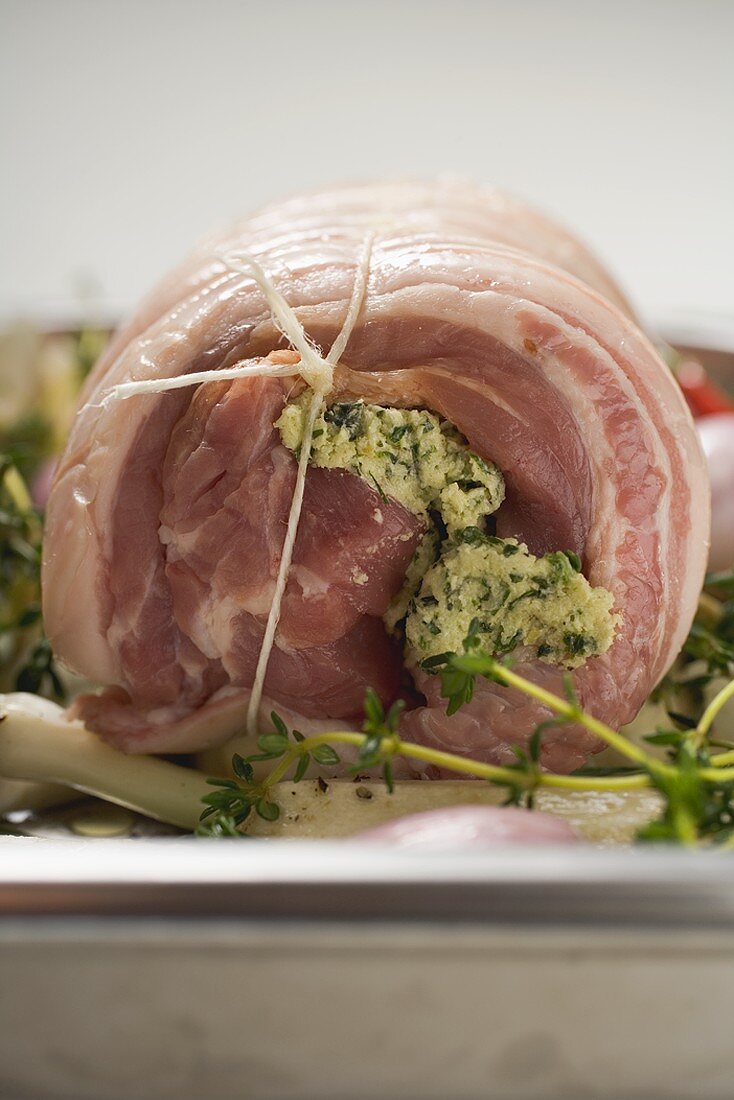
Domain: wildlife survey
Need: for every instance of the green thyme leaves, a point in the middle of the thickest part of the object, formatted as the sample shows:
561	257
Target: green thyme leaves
543	603
26	660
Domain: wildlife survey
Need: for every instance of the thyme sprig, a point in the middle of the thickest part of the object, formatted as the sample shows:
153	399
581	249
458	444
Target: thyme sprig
460	671
26	661
698	798
229	806
707	654
697	788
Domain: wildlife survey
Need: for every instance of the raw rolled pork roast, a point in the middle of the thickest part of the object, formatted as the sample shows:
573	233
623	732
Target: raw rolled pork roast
167	518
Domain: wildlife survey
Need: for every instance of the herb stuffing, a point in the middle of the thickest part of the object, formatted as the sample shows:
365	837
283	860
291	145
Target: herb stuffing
409	455
516	599
459	572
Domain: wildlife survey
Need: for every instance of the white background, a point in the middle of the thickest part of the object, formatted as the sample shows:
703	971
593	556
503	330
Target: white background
128	129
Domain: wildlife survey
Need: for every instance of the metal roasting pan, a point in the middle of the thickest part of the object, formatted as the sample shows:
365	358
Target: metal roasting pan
177	969
187	969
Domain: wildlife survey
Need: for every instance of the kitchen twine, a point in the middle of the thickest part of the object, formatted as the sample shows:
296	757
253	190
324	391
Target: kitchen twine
316	371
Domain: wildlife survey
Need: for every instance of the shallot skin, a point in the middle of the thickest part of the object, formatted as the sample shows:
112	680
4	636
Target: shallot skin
717	437
475	827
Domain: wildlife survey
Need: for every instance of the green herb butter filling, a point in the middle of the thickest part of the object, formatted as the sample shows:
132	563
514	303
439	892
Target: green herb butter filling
516	598
459	573
406	454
